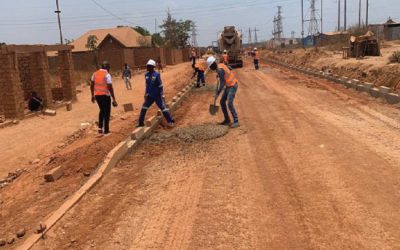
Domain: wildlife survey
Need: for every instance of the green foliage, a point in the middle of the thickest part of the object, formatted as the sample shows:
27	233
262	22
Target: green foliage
91	43
157	40
142	31
2	43
176	33
395	57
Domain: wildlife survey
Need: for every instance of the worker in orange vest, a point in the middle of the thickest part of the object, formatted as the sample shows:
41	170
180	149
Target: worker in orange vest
193	56
102	91
256	55
226	57
199	69
227	81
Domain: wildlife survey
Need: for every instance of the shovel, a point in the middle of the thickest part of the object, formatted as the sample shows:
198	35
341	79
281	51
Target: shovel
213	107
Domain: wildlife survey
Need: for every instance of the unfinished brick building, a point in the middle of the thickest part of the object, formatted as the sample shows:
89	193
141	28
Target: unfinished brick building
25	68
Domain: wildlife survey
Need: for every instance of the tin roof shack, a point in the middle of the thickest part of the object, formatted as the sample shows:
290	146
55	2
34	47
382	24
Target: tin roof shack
391	31
331	38
366	45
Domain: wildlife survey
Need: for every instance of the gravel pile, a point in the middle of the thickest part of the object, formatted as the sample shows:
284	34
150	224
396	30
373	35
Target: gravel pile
191	134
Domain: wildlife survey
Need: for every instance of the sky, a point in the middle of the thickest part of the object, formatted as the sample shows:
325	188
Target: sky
34	21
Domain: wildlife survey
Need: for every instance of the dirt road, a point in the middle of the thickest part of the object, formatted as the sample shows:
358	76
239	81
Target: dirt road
312	166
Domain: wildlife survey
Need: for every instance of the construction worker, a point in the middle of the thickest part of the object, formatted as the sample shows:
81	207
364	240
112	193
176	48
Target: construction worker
226	57
102	91
256	55
154	93
199	69
193	56
35	103
228	81
127	75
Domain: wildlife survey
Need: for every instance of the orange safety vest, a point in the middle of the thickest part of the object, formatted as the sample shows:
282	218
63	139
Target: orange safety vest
256	55
226	58
100	84
230	79
200	66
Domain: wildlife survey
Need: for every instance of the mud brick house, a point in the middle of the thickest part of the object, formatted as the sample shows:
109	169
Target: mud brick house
114	45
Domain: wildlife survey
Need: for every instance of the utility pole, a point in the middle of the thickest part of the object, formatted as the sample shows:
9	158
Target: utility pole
366	15
255	35
302	22
194	36
59	22
345	15
359	13
321	16
249	41
292	36
338	19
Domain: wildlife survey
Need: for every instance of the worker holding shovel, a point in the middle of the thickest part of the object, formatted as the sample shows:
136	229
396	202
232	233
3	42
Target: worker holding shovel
228	81
154	93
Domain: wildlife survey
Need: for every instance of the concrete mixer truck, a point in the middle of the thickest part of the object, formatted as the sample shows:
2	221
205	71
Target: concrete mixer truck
231	41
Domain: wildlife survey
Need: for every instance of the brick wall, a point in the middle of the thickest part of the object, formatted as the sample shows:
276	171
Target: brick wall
11	93
57	94
84	61
24	73
40	77
66	73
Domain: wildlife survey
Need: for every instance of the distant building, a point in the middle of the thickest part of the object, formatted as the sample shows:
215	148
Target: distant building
113	38
282	43
115	45
389	31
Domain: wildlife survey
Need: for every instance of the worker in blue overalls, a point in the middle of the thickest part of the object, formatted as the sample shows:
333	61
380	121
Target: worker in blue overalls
154	93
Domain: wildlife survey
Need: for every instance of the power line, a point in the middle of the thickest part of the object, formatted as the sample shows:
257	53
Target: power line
112	14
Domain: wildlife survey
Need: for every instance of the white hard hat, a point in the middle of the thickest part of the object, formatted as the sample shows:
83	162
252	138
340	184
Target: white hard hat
255	48
210	61
151	62
224	50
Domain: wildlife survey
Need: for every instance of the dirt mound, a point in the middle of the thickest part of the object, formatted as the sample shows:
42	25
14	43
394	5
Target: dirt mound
191	134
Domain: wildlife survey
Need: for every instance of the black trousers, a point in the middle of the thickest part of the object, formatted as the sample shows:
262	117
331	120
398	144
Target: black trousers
104	102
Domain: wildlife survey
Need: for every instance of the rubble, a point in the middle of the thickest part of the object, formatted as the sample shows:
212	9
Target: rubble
21	233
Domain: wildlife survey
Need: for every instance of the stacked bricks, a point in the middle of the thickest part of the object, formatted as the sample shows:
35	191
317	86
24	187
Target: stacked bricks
11	93
66	73
24	74
40	76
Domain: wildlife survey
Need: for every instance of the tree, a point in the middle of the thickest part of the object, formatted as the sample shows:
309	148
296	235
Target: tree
91	44
142	31
157	39
176	33
2	43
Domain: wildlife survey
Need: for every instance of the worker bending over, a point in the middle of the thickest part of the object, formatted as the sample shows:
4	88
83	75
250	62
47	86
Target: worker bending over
154	93
199	69
256	55
226	57
228	81
102	92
